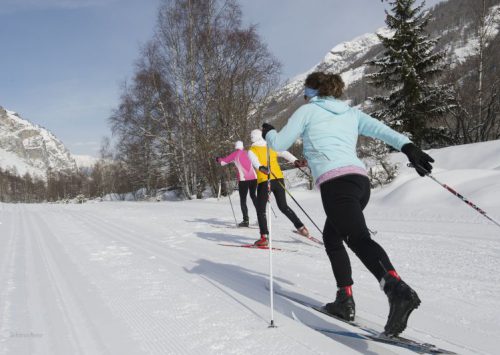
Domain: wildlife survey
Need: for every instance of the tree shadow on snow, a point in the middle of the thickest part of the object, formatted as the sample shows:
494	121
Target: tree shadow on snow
233	280
213	222
227	234
227	237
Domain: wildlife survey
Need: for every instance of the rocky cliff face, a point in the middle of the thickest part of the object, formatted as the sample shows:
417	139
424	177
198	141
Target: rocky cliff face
28	148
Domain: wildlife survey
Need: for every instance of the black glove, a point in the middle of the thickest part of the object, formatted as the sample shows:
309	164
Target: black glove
266	127
217	159
419	159
264	170
300	163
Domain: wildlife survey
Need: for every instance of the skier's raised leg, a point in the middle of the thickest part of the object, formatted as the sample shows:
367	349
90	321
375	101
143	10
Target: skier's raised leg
402	301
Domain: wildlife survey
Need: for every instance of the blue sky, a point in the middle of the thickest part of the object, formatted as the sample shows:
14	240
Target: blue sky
62	61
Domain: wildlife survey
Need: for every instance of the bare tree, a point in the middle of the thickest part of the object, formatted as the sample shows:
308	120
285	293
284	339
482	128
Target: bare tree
198	87
477	117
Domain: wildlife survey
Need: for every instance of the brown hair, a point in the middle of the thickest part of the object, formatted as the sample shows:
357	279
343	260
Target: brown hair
326	84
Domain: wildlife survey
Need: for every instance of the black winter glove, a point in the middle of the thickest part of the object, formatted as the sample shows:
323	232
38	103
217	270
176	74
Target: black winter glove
300	163
266	127
264	170
419	159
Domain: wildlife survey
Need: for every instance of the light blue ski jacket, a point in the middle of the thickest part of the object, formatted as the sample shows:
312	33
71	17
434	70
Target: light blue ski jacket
329	129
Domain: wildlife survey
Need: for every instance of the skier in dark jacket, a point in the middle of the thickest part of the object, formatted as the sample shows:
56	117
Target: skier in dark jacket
329	129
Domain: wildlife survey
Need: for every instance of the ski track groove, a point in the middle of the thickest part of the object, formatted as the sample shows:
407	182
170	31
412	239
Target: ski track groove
127	237
242	283
137	242
423	333
7	278
7	246
50	303
74	317
33	237
105	316
137	316
54	286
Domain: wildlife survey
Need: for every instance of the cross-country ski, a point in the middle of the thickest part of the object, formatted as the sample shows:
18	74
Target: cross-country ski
253	246
369	332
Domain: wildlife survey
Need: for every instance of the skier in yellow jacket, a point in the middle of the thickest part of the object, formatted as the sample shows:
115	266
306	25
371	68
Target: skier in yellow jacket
258	157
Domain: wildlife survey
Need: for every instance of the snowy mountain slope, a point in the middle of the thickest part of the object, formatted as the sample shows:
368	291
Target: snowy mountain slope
460	51
150	278
339	60
28	148
349	58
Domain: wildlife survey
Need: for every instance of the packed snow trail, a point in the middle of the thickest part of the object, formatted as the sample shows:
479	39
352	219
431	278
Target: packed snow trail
141	278
80	281
150	278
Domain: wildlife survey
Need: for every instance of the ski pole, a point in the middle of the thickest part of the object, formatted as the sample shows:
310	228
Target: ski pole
272	209
310	176
274	213
294	200
271	282
465	200
305	172
231	202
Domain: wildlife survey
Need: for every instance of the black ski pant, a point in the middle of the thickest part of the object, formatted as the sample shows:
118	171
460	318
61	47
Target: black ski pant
280	196
344	199
244	187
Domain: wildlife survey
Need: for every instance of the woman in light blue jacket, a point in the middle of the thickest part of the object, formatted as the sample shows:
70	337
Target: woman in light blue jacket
329	129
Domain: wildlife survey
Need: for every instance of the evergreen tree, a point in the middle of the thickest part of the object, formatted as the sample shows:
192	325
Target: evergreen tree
409	69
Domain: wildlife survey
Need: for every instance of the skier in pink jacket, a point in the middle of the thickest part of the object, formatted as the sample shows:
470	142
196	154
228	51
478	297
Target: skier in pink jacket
247	178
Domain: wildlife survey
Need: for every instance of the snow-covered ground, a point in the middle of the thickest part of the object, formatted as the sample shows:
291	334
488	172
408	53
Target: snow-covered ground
150	278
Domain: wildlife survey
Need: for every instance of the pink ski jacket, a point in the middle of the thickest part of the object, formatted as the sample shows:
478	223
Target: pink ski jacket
242	163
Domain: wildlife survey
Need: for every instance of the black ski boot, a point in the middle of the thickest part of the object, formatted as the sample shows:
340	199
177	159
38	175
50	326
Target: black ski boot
402	301
343	306
244	223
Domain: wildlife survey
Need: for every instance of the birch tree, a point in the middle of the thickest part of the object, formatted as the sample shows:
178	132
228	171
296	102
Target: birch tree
207	77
